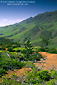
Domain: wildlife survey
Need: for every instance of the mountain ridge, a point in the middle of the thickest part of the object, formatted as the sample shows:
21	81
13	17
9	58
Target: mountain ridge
32	28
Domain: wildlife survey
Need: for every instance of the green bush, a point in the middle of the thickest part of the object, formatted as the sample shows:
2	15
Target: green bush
53	74
29	64
10	62
2	72
44	75
11	49
18	50
52	50
42	49
51	82
35	77
10	81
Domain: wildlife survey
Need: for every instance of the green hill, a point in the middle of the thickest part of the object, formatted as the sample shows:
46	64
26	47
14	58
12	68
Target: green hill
33	28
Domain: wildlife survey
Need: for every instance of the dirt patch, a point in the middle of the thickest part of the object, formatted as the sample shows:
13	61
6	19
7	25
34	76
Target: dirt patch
50	61
17	72
22	71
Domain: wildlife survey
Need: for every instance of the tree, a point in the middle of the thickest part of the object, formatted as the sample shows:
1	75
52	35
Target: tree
28	49
29	52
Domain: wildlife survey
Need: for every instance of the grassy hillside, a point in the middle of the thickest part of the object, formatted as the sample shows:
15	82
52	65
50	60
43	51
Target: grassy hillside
32	28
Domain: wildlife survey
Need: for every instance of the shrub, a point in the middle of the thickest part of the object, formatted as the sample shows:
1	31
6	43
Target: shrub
43	49
53	74
36	76
18	50
44	75
10	49
52	50
29	64
2	72
10	81
51	82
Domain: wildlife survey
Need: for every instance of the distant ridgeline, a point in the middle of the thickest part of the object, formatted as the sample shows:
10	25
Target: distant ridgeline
44	24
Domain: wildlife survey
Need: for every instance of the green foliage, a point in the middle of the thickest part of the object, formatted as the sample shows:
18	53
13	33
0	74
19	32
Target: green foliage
9	62
43	49
53	74
10	49
2	72
16	64
34	77
4	41
48	49
29	64
45	36
44	75
10	81
52	50
51	82
33	28
29	53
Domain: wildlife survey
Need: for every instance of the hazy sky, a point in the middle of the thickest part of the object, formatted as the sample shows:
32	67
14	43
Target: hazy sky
10	14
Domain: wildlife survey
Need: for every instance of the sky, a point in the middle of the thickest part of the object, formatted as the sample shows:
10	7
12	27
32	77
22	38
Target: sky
15	11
